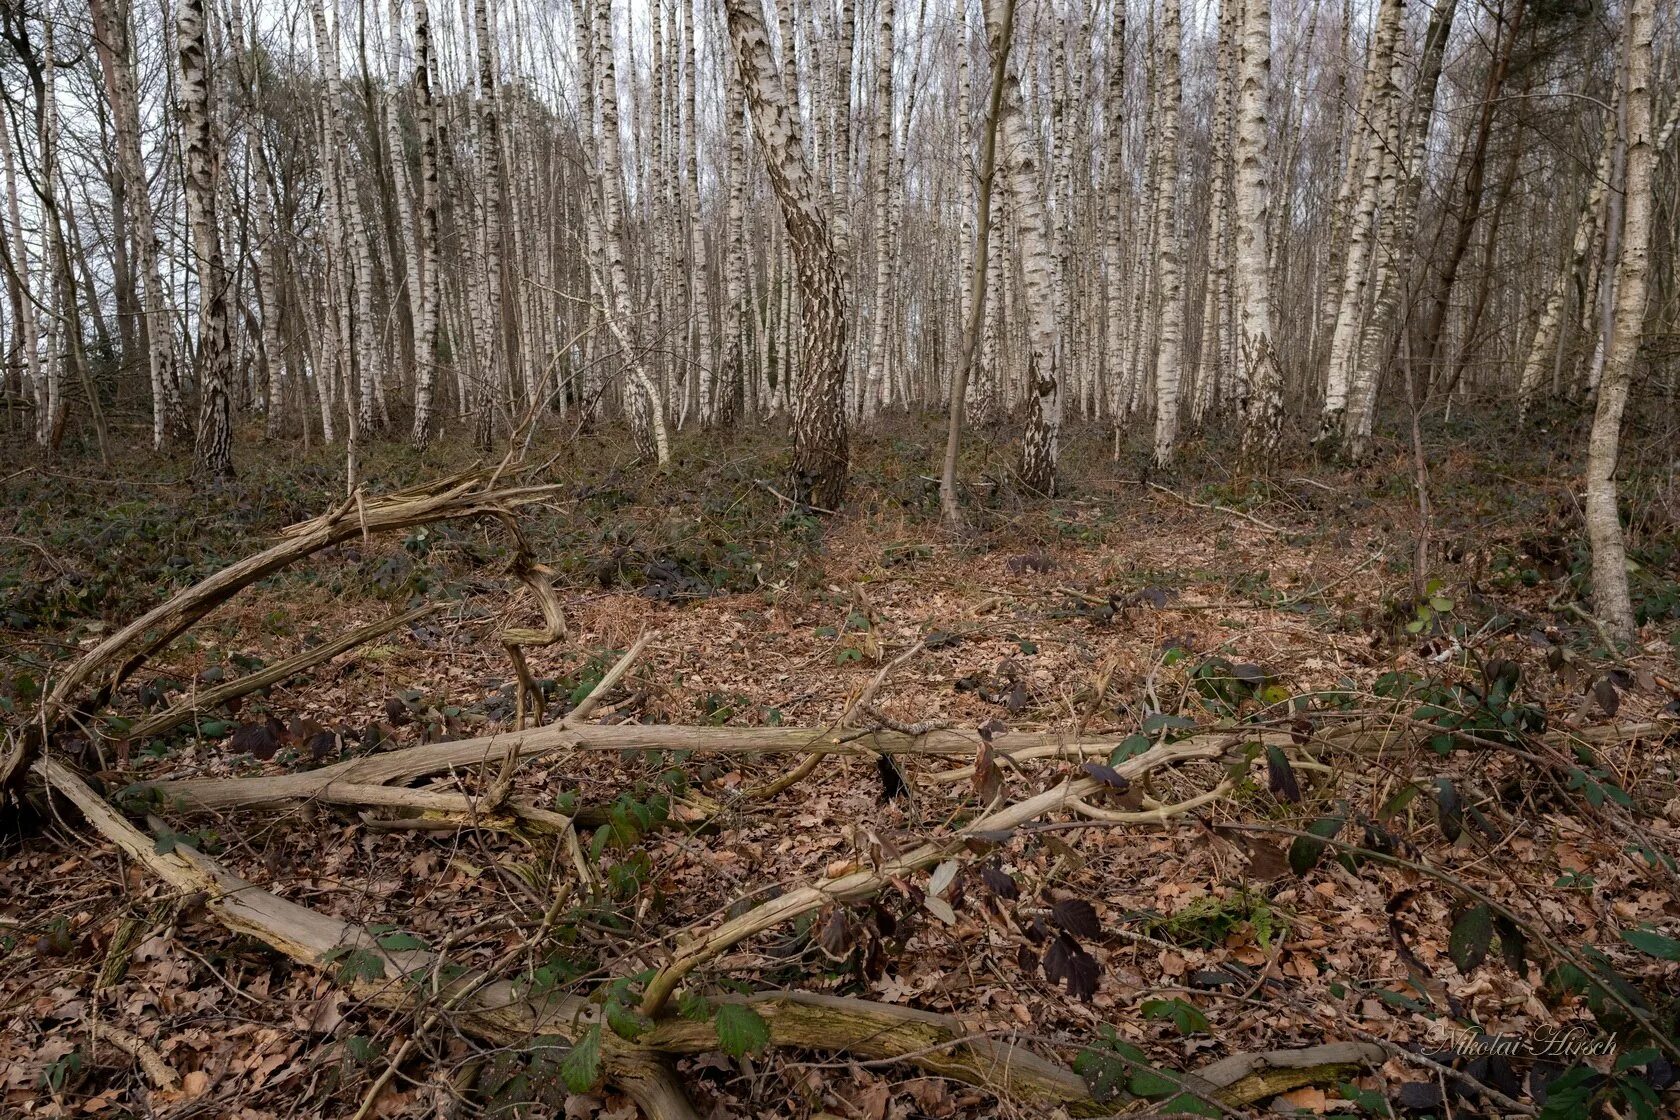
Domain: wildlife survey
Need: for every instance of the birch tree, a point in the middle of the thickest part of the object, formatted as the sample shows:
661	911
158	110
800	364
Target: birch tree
1169	357
820	433
1262	379
1041	442
426	235
113	36
647	407
213	446
1604	528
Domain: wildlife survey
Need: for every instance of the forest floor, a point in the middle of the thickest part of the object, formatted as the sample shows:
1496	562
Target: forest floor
1134	606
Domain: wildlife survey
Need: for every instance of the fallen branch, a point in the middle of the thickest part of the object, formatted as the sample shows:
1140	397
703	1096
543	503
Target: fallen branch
860	885
499	1012
273	674
412	763
1248	517
120	655
159	1072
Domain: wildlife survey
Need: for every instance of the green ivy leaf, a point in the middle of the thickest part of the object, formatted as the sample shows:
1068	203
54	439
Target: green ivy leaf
1130	747
1306	851
626	1022
1104	1075
1655	944
1184	1015
694	1007
1186	1105
581	1068
740	1029
400	942
1470	938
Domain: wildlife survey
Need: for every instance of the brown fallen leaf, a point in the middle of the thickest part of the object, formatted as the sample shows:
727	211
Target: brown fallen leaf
1309	1097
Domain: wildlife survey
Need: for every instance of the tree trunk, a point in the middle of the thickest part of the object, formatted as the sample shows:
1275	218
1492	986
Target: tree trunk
975	303
113	35
1040	445
1381	107
1169	357
647	409
213	447
819	421
1261	374
1604	528
426	236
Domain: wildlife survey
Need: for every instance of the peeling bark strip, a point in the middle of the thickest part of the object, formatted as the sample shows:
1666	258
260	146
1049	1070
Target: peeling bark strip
213	447
819	419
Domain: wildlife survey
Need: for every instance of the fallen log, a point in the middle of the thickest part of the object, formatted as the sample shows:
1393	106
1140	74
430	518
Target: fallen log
412	763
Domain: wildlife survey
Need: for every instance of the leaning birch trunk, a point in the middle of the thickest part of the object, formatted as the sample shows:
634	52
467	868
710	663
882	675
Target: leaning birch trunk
647	408
1040	445
1169	357
974	298
426	236
1261	374
1361	229
1347	192
213	447
1545	342
1604	527
819	418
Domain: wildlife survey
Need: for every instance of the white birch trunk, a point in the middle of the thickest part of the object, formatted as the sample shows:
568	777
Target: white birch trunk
1169	358
1604	528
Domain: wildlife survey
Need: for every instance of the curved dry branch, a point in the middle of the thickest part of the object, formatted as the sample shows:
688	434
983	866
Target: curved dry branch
864	884
116	658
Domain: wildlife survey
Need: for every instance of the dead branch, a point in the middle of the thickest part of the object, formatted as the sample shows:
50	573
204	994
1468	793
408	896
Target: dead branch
864	884
274	674
159	1072
118	656
411	763
498	1012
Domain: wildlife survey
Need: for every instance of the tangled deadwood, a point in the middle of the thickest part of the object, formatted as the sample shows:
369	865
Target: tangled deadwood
500	1011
